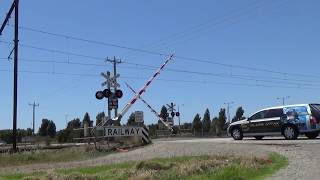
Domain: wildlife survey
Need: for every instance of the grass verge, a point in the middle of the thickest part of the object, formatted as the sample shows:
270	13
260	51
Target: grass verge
190	167
49	156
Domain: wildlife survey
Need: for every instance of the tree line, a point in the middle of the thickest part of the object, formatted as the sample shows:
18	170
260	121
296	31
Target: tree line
217	124
47	128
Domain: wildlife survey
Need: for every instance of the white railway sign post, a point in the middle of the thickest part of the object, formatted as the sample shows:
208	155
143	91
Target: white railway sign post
138	116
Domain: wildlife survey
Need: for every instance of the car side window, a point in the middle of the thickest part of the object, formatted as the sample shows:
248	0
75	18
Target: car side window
300	110
274	113
259	115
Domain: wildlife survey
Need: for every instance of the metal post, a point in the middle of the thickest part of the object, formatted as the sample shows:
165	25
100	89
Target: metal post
115	87
15	73
228	110
66	116
109	87
114	61
283	99
33	115
15	6
202	128
179	121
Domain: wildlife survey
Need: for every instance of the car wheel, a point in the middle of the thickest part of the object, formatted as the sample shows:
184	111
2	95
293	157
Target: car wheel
237	133
312	135
290	133
258	137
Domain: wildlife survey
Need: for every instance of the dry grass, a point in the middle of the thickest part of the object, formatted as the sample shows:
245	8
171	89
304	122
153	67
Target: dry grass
50	155
194	167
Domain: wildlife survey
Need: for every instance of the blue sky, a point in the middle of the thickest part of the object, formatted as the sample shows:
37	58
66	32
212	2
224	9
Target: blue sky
277	35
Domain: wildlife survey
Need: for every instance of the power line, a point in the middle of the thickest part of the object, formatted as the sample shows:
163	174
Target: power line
146	51
54	51
206	26
170	80
277	80
177	57
192	30
92	41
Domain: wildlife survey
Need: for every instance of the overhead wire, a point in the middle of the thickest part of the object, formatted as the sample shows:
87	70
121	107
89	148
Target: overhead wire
178	57
203	73
161	79
151	52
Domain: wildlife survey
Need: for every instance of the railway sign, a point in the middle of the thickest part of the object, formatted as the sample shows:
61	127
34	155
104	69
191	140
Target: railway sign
113	103
171	107
110	79
113	131
138	116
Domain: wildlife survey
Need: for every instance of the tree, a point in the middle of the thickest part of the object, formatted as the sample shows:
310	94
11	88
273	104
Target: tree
214	126
152	129
51	129
131	120
43	130
6	134
47	128
29	132
196	124
99	118
186	126
66	135
86	119
222	118
74	124
164	113
239	114
206	121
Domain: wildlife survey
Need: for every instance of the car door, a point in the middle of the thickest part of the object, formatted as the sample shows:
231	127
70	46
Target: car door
272	120
256	124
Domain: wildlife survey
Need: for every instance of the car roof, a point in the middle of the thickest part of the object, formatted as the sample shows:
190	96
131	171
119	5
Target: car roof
278	107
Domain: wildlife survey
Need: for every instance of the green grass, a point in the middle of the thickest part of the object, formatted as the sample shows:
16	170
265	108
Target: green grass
52	155
190	167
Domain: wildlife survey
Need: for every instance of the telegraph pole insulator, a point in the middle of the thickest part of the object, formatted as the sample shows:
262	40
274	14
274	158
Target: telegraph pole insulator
118	93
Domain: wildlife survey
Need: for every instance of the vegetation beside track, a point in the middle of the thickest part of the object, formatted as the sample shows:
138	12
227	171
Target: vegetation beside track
188	167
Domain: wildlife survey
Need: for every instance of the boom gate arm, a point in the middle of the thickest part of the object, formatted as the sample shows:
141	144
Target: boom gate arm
152	110
142	90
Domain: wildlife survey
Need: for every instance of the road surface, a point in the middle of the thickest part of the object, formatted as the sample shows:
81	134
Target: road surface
303	154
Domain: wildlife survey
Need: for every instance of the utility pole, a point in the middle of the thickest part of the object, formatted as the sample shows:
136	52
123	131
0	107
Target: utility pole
15	6
66	117
115	61
228	109
283	99
34	105
179	120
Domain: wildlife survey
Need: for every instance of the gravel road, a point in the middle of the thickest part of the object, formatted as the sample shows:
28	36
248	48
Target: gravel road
302	154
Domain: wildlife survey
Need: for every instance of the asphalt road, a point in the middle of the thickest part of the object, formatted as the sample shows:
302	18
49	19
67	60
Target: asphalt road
303	154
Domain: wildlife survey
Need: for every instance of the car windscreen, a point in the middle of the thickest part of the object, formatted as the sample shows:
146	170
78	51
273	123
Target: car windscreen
315	110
